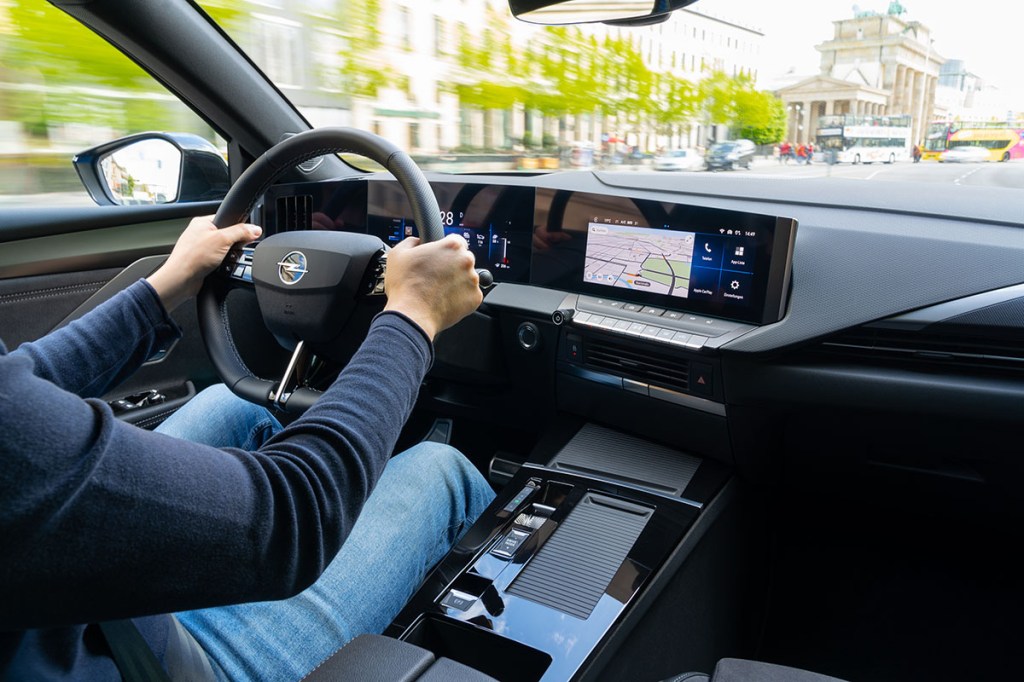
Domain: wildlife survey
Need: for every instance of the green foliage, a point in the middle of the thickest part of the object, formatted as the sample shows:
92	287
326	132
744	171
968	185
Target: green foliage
65	74
362	75
760	117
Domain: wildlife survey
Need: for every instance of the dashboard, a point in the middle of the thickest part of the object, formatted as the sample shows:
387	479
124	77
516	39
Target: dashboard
880	308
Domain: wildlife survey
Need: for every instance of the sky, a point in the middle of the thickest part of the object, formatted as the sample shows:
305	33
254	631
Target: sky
984	33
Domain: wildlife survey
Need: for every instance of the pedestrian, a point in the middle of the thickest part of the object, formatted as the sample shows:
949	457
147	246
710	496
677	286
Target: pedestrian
810	153
917	153
801	154
785	151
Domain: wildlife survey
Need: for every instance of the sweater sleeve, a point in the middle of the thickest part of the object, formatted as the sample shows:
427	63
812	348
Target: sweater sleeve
105	346
102	520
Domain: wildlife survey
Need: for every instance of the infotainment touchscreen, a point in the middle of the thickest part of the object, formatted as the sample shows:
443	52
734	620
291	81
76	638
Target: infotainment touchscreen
666	255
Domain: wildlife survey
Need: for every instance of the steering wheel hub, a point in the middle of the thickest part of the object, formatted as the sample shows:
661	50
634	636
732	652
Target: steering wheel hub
308	283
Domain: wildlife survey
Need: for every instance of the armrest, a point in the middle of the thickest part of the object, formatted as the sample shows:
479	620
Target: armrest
373	658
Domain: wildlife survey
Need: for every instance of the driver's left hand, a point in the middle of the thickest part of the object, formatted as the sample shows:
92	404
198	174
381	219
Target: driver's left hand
197	253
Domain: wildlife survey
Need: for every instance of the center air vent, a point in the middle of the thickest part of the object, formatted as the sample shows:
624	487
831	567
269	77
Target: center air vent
646	366
294	213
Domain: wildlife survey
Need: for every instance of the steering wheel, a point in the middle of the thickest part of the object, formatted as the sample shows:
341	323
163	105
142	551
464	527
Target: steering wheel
311	286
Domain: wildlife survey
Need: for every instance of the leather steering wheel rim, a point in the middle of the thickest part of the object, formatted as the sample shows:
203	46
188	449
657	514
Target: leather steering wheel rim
239	202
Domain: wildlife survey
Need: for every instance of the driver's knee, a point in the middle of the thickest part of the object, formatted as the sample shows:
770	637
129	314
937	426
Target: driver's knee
217	417
443	469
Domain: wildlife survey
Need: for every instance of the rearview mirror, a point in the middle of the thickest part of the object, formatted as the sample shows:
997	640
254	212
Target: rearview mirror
153	168
590	11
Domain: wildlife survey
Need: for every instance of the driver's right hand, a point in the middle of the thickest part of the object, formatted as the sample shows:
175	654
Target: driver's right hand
434	284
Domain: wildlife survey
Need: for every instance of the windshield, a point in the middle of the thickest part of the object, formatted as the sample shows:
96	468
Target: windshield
464	87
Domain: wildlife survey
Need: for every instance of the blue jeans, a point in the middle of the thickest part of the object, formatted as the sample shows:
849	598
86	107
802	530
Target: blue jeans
426	498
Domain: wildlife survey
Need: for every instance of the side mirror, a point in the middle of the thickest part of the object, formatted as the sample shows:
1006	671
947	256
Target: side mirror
153	168
623	12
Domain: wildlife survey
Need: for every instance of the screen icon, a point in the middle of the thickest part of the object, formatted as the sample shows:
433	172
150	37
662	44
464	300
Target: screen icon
707	247
739	250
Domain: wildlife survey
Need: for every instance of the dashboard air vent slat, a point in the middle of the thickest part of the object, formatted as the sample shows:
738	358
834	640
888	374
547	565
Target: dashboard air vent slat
294	213
647	366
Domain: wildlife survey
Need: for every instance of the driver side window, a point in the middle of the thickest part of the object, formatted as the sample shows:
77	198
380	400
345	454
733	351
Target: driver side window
65	89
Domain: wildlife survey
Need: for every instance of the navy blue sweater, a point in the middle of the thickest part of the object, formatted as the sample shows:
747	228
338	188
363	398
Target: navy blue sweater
100	520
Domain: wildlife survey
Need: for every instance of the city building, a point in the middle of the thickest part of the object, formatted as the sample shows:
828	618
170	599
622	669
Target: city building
874	64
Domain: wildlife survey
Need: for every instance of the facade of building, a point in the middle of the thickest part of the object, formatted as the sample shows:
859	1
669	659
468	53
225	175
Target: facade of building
419	42
875	64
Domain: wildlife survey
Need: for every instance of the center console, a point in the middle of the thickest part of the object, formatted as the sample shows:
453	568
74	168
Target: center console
535	589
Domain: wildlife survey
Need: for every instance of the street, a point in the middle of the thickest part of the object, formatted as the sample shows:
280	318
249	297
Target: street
1010	174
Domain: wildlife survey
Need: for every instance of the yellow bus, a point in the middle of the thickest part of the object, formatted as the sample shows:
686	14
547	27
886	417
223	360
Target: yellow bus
1002	142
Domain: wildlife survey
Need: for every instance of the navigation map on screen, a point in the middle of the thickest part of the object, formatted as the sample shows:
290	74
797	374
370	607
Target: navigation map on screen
639	258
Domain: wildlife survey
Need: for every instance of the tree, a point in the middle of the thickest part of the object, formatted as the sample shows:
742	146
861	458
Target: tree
63	73
361	72
760	117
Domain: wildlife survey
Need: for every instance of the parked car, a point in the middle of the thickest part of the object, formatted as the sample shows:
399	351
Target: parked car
966	153
678	160
730	155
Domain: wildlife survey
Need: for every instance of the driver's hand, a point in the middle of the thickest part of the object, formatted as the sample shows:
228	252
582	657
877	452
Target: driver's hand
199	250
433	284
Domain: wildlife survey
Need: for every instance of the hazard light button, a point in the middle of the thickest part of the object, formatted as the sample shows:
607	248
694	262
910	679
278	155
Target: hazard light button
702	379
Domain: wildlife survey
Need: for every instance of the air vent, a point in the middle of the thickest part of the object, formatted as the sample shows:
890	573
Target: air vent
646	366
930	346
294	213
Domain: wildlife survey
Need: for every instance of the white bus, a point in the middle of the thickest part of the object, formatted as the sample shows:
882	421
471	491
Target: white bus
864	139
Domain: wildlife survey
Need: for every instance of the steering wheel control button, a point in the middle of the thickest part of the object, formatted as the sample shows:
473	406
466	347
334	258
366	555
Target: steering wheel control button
508	545
460	601
292	268
528	336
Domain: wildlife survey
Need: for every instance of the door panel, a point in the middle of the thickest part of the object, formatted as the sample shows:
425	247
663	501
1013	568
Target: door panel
57	270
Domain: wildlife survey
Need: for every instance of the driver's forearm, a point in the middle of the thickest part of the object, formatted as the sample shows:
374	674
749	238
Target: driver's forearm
105	346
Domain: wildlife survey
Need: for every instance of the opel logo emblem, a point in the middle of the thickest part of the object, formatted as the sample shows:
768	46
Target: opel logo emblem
292	267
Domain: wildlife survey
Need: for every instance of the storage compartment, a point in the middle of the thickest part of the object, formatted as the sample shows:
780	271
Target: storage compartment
485	651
